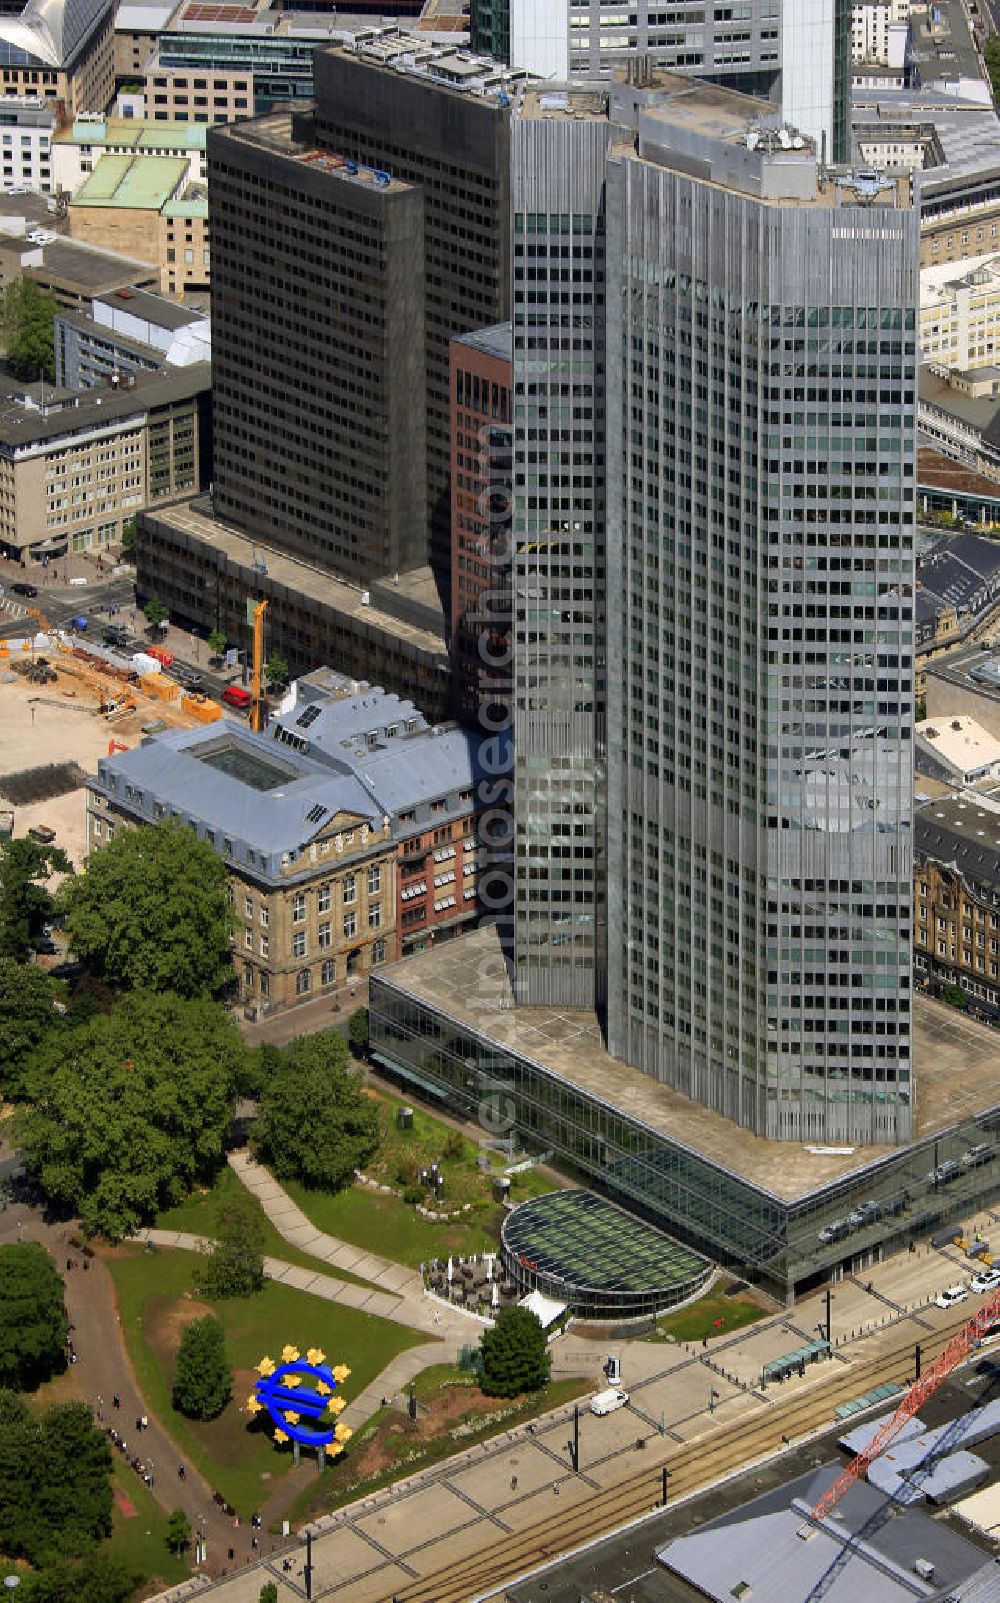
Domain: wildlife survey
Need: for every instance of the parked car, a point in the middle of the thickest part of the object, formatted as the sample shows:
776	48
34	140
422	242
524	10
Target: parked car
236	696
986	1280
21	588
950	1296
606	1402
944	1173
115	634
982	1152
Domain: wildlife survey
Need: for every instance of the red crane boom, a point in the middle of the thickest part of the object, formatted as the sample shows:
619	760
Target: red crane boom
959	1347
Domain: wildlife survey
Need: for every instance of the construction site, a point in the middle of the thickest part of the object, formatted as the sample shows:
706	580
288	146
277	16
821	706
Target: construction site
63	699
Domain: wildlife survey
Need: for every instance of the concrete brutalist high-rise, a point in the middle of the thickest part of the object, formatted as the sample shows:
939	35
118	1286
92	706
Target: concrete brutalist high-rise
714	370
318	351
436	118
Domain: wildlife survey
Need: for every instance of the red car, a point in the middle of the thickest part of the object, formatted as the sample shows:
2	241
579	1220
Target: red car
236	696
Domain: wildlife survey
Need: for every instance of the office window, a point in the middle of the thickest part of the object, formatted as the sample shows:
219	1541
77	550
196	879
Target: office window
299	943
350	924
349	888
303	982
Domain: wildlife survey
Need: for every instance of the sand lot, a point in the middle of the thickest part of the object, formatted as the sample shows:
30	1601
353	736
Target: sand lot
60	723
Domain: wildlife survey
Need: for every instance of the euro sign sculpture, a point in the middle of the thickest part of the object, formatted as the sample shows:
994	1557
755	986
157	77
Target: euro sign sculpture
300	1396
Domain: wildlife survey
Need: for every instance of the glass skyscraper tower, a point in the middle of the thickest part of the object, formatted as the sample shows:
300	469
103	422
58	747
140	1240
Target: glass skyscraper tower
715	399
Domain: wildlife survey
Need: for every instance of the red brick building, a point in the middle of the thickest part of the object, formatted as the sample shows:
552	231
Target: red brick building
480	522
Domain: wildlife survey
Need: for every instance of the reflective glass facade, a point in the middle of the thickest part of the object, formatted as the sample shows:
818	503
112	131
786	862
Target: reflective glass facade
761	404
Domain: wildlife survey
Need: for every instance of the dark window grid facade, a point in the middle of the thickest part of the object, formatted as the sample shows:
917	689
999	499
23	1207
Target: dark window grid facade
310	368
456	149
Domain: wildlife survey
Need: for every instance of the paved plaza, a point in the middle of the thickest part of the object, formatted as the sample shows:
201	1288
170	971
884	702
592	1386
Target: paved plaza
468	1504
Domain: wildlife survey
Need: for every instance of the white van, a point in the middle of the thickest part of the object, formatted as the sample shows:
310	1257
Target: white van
607	1401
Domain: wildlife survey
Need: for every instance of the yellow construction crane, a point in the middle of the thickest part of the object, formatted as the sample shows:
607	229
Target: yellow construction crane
257	681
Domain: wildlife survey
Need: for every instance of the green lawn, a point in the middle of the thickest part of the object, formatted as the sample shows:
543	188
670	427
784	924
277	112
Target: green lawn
140	1539
233	1454
430	1140
197	1215
390	1227
699	1319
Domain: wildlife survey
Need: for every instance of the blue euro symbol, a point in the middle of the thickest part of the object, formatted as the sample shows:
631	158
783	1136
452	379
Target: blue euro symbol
278	1399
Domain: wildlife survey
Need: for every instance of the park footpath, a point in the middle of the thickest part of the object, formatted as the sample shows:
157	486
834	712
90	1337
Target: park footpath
392	1292
680	1393
102	1371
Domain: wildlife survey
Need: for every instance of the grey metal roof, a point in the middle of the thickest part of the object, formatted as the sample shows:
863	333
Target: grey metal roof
761	1543
961	834
977	411
151	308
497	340
326	775
910	1479
855	1441
87	268
165	769
417	763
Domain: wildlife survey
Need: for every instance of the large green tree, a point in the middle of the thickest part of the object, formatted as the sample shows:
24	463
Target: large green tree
25	900
33	1327
27	318
991	55
55	1480
152	912
203	1380
234	1264
97	1578
276	669
515	1353
316	1124
178	1532
27	1016
131	1108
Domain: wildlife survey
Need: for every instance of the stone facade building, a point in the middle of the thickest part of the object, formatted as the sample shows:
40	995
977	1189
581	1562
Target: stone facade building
348	829
956	899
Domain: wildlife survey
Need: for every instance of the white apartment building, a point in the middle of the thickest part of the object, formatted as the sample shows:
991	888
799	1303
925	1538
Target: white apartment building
878	32
960	312
25	138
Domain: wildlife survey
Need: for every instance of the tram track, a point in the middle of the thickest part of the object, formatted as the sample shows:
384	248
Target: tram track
691	1468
